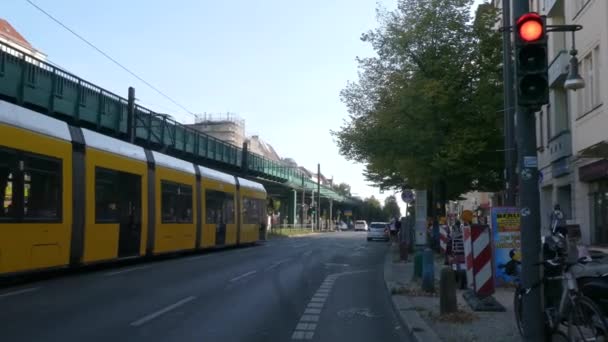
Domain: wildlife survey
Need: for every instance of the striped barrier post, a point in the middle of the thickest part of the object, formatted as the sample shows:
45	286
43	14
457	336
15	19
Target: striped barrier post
468	254
483	272
443	238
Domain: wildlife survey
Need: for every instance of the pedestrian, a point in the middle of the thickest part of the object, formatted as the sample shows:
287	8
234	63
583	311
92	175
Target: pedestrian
393	229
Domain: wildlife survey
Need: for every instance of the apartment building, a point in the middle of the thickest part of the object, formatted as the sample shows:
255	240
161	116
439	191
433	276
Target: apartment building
572	130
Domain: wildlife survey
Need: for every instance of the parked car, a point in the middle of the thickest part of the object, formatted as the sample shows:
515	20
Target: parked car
342	225
379	231
361	225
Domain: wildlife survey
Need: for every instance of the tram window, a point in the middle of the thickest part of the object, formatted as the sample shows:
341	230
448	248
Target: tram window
176	202
30	186
106	195
228	208
41	188
8	169
253	210
219	207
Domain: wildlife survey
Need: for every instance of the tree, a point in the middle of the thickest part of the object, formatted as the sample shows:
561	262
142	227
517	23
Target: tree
424	110
342	189
391	208
273	205
370	210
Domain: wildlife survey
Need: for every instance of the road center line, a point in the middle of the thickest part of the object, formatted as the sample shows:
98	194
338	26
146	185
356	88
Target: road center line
301	245
161	311
14	293
126	270
276	264
243	276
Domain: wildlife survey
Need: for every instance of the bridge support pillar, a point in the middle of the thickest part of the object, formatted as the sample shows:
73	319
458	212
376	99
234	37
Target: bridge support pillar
292	206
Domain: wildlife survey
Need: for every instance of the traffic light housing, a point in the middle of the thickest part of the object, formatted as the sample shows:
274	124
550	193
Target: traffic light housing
531	61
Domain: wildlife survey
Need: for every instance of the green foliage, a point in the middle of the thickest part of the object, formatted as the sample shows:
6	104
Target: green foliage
427	107
342	189
369	209
391	208
273	205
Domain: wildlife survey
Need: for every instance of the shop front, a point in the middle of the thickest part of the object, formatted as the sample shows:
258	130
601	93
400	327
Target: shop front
596	175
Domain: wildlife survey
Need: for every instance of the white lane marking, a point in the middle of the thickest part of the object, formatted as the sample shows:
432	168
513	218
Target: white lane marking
243	276
306	326
306	330
126	270
329	264
14	293
276	264
309	318
301	245
161	311
312	311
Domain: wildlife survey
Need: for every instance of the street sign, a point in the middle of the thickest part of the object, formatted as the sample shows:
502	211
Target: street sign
407	196
348	213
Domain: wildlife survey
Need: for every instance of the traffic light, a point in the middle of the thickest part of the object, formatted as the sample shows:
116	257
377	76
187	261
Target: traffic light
531	61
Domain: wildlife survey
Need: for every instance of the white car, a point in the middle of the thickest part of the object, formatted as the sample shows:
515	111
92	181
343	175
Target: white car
360	225
379	231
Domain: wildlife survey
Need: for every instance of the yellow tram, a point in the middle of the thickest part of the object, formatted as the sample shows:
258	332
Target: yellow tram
72	197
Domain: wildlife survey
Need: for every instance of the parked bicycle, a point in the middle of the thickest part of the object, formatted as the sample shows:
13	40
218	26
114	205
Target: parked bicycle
569	315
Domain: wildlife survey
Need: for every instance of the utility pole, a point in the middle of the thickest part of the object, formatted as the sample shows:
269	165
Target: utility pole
525	126
131	115
331	204
509	105
303	212
318	196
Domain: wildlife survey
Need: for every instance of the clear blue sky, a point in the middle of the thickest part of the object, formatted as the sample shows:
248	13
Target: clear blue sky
278	64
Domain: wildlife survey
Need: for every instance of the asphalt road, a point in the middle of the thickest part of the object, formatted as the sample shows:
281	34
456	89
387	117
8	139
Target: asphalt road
326	287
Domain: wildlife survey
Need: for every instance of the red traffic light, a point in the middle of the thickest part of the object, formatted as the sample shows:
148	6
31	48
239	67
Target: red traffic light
530	27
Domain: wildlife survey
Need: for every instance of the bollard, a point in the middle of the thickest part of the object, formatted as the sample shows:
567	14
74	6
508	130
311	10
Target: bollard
447	291
428	270
418	265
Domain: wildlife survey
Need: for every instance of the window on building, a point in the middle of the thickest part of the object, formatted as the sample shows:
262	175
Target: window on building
578	5
219	207
590	96
30	186
176	202
540	139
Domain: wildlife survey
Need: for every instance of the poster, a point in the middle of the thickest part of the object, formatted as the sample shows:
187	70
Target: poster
507	244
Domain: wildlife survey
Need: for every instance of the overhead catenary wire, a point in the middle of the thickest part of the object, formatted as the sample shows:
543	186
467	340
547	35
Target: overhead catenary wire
110	57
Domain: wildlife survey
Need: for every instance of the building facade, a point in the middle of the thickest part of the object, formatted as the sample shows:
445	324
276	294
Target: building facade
572	130
11	37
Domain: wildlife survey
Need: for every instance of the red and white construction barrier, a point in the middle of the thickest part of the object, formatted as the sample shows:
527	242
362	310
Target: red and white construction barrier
443	238
483	272
468	254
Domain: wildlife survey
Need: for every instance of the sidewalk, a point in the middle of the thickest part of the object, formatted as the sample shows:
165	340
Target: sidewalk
419	311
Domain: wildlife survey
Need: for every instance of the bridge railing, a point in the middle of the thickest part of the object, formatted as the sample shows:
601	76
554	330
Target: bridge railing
43	87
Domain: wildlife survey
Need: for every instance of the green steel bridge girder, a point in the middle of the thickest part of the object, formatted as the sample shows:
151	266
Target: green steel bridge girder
40	86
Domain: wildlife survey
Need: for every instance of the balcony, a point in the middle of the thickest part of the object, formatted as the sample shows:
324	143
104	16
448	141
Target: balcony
558	69
560	146
552	8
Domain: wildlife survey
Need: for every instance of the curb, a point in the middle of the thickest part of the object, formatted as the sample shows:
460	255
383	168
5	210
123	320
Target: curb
409	318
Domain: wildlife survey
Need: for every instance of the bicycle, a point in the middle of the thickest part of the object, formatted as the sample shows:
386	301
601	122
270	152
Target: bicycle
578	314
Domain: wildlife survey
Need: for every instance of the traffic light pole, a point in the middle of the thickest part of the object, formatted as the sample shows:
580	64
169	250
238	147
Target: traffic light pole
509	104
532	316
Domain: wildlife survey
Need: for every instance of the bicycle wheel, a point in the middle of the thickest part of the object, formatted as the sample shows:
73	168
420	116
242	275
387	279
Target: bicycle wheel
517	309
586	321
